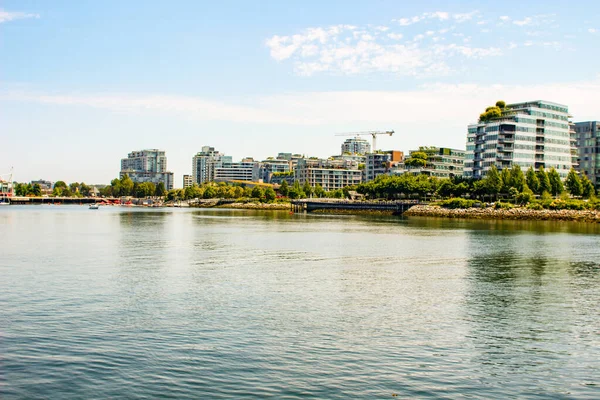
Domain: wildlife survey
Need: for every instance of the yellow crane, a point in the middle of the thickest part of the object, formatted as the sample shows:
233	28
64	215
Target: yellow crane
366	133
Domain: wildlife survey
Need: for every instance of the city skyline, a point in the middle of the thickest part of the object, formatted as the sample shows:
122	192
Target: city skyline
94	81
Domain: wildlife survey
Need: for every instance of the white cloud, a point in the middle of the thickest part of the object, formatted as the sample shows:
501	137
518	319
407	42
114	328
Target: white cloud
351	50
6	16
592	30
504	18
525	21
465	16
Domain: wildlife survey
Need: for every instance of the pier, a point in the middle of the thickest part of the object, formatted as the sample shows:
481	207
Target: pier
60	200
395	207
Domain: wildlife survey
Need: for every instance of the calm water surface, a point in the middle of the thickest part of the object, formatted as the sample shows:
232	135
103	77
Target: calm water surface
174	303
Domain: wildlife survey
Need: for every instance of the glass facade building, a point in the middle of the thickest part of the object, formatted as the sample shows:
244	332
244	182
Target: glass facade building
530	134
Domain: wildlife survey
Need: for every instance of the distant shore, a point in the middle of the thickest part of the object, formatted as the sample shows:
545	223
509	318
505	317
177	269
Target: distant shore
518	213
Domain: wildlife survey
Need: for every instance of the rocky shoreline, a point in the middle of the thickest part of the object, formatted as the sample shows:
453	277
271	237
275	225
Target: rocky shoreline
518	213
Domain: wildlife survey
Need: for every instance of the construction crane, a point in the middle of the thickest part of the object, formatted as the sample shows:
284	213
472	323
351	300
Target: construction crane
372	133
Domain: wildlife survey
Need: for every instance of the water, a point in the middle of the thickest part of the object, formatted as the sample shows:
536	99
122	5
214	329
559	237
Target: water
175	303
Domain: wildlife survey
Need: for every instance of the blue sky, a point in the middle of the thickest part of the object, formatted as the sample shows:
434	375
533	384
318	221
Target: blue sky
84	83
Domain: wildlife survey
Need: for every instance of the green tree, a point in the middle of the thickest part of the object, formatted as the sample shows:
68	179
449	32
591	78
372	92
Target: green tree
445	188
517	179
238	192
37	190
417	159
84	189
493	181
74	187
283	188
307	189
505	178
588	187
556	185
60	184
501	104
160	189
573	183
270	194
318	191
210	192
544	180
532	180
258	193
126	186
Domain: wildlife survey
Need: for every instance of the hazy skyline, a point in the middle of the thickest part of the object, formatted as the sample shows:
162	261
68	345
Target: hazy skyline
84	83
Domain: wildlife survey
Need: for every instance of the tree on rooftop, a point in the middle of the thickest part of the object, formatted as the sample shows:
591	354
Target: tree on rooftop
416	159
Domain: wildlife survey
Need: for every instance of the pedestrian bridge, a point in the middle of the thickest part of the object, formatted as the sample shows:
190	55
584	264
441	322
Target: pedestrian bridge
396	207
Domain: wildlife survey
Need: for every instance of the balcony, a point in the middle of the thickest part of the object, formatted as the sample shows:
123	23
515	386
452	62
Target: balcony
479	141
502	140
504	149
504	157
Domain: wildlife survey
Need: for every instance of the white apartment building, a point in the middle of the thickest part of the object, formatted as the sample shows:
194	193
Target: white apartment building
204	164
330	174
356	145
530	134
147	166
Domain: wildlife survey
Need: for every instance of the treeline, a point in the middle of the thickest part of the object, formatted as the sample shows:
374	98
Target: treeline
507	184
222	190
126	187
60	189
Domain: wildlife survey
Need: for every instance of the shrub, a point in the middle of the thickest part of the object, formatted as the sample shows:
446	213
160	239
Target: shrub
535	206
457	202
504	206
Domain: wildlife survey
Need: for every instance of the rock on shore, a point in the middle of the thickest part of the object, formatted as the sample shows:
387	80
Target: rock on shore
518	213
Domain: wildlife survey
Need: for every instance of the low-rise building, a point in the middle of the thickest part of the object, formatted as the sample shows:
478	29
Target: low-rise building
245	170
187	181
329	174
442	162
272	166
381	162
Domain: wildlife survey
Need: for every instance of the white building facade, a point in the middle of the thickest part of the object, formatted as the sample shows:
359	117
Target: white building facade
147	166
530	134
329	174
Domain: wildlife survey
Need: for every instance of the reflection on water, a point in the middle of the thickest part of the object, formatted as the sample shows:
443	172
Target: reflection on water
233	303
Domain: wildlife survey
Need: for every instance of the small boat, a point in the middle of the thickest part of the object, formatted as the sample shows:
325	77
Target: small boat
94	206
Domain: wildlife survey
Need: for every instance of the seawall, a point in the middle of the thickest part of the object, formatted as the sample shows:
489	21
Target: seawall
518	213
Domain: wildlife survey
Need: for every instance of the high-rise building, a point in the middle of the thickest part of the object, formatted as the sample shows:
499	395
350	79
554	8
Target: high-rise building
330	174
187	181
381	162
587	136
530	134
205	162
442	162
356	145
147	166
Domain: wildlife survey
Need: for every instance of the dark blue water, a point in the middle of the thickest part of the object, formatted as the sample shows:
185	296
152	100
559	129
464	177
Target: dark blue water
128	303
